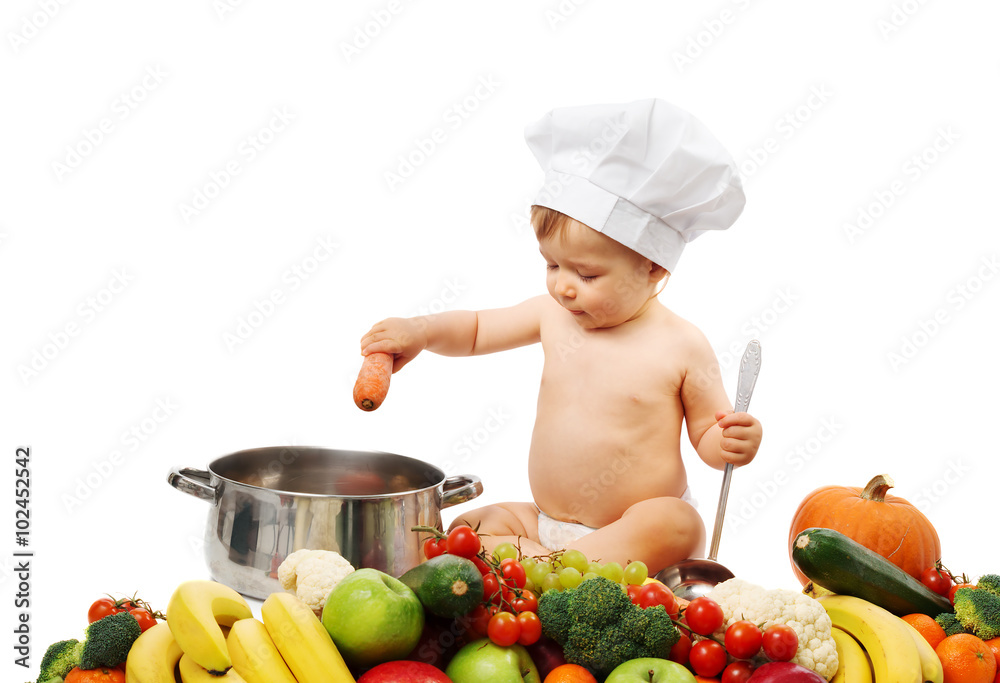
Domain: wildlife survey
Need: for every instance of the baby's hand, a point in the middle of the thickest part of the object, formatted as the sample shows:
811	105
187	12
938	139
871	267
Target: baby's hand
404	338
741	434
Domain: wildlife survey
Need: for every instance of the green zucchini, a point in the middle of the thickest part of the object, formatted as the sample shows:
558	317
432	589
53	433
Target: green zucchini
842	565
447	585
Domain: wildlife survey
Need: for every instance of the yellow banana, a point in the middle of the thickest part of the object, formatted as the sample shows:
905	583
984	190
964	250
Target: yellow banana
814	590
854	666
197	611
889	645
254	655
303	641
153	656
930	663
192	672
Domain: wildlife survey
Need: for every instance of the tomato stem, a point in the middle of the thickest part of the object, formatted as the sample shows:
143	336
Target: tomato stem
136	601
955	579
437	533
681	626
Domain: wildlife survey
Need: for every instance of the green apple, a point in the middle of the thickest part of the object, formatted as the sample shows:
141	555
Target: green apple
373	618
650	670
481	661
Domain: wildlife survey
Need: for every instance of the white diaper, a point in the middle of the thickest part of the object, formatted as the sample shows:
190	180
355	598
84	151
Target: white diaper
556	535
688	498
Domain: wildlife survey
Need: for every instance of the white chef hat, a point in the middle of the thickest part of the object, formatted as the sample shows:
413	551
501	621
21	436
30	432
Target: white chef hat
646	173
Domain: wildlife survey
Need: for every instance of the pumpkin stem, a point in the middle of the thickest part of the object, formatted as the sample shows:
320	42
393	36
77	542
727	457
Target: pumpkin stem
877	488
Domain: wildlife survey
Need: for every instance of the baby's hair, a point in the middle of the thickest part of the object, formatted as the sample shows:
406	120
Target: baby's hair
547	222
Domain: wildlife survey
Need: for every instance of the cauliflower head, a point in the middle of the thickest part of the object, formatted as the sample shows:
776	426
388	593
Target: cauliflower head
741	599
312	574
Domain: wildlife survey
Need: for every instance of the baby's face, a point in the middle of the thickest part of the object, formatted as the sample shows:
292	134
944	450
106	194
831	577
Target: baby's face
599	281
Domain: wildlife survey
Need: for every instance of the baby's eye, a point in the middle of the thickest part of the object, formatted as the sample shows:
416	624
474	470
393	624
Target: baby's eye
588	278
551	266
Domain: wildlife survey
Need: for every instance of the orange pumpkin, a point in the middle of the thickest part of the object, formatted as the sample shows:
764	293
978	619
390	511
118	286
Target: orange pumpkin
888	525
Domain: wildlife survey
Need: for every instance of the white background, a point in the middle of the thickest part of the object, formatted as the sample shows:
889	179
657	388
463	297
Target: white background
833	111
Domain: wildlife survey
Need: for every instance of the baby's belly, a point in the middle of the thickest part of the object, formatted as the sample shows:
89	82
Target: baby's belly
596	481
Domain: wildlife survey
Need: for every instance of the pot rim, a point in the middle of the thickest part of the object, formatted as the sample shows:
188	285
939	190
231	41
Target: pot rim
375	496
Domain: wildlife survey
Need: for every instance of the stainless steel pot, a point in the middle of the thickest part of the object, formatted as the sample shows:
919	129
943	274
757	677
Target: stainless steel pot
269	502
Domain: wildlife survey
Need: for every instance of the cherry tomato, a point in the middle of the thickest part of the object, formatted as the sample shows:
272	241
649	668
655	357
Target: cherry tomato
936	580
513	572
951	593
707	657
464	542
102	608
531	628
434	547
743	639
528	602
737	672
780	642
145	619
481	565
656	593
704	616
633	592
479	619
681	650
491	586
504	629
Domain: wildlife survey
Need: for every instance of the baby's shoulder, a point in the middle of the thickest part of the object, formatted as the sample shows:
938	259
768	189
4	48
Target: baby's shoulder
689	347
680	329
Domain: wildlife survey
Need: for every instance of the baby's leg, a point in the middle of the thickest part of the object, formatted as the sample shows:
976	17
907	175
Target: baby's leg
515	523
658	531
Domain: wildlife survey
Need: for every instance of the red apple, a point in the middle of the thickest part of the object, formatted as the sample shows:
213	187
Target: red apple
547	654
784	671
404	671
441	639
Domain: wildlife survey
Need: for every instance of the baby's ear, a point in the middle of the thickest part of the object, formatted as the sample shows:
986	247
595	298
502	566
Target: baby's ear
657	273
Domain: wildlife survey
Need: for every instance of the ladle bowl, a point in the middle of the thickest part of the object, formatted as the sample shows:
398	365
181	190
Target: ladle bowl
694	578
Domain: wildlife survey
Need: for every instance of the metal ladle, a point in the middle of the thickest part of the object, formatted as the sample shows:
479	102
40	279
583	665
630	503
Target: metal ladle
693	578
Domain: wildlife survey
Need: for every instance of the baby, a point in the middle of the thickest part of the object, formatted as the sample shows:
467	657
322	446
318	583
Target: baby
626	187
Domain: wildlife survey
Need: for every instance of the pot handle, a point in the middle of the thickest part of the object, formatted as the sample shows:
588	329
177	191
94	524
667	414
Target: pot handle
460	489
194	482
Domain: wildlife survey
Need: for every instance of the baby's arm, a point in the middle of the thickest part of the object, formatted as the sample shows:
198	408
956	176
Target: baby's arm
718	434
456	333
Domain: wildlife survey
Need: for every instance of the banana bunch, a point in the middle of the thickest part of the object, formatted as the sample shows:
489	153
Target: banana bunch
302	641
192	642
211	636
153	656
876	646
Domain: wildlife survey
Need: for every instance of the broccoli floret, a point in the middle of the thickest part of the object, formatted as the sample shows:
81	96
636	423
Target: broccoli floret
553	612
950	623
59	659
990	582
599	627
599	650
660	634
109	640
978	610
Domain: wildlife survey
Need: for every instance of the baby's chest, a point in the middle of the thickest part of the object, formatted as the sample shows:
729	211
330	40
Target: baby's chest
617	371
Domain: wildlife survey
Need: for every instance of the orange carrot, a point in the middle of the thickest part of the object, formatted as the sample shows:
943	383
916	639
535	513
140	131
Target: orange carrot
373	381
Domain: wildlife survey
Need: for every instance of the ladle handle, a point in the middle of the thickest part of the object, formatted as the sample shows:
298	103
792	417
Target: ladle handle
749	368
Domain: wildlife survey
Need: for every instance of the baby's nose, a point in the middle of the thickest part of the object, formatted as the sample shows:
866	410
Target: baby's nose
564	286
